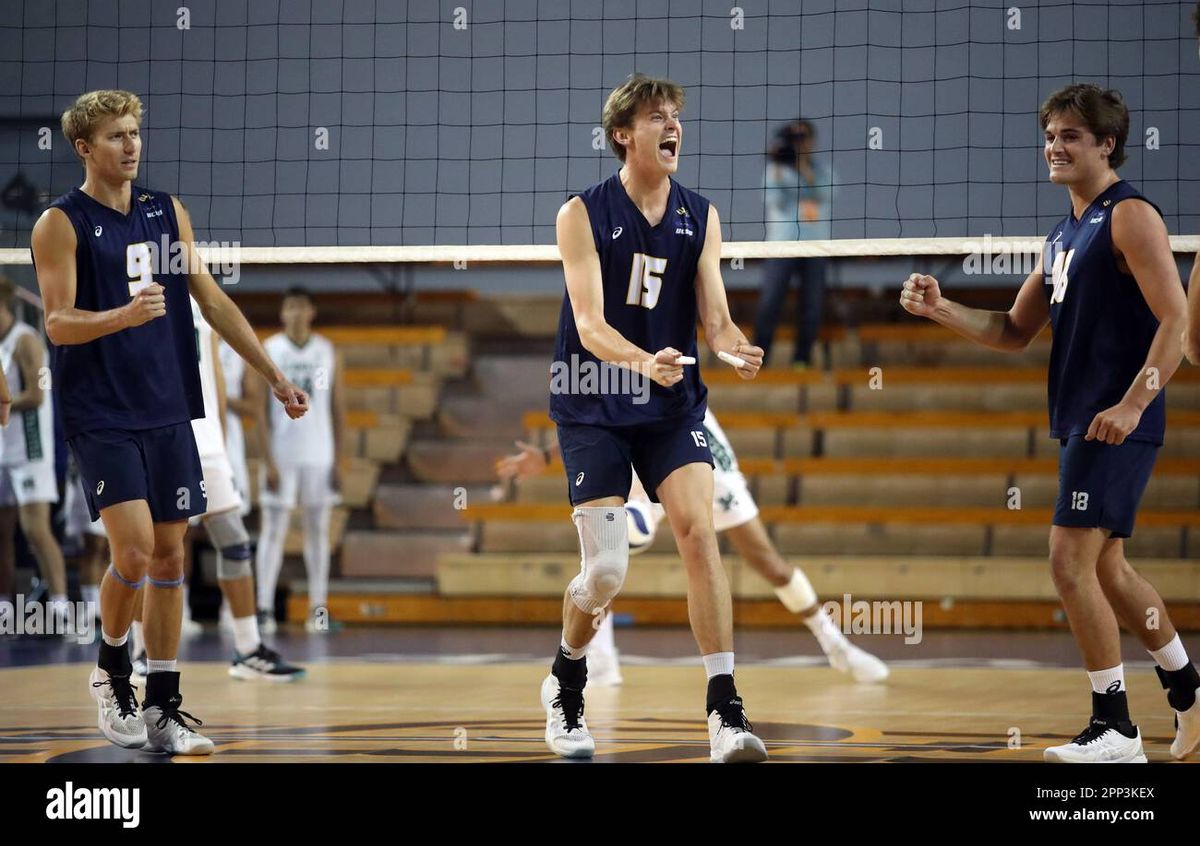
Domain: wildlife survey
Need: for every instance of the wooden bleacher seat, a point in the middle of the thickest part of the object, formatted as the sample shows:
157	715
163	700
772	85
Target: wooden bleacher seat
892	577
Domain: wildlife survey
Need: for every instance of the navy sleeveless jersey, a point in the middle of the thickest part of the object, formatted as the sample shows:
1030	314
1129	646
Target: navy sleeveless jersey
1102	325
145	376
649	278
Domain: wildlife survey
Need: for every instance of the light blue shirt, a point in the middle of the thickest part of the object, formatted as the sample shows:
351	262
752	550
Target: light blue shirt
785	190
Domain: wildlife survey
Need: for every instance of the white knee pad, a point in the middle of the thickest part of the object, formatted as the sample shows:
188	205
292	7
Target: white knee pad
604	542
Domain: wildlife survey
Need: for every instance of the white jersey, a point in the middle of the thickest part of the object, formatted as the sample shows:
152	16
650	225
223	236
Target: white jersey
210	440
308	441
29	435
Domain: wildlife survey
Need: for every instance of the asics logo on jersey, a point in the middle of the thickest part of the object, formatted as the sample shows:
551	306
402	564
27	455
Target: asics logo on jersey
99	229
681	211
579	480
100	488
617	232
1097	219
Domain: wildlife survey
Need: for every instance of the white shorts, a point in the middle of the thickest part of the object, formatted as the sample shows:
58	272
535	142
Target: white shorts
733	505
218	487
241	480
304	485
25	484
75	512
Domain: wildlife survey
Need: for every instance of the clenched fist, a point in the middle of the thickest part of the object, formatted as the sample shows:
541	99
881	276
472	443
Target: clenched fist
920	295
147	304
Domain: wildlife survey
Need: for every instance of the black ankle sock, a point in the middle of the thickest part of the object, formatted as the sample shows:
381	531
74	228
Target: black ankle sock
570	672
160	688
114	660
1113	708
1180	686
720	690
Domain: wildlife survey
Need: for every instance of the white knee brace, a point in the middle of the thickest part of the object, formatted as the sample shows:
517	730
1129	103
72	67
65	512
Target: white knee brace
604	542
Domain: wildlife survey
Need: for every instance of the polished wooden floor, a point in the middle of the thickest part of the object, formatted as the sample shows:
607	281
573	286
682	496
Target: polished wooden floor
474	712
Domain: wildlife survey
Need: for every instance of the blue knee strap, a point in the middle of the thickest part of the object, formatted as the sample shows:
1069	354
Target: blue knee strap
237	552
112	569
165	583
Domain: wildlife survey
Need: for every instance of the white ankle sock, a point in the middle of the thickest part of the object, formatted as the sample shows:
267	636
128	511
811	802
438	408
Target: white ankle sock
1102	680
824	630
163	666
1171	657
139	638
245	634
115	641
718	664
573	652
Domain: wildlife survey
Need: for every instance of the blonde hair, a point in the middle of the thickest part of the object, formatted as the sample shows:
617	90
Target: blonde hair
623	103
93	108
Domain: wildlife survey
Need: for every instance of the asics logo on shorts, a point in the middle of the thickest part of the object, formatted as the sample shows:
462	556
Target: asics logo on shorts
617	232
579	480
99	229
100	488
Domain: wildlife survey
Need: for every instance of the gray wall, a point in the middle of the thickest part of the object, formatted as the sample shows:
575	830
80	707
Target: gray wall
445	136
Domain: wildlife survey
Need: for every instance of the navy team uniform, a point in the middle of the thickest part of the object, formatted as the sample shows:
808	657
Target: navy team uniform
649	276
1102	328
128	398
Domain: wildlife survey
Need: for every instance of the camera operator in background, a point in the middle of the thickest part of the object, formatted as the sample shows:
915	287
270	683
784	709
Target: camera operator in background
799	188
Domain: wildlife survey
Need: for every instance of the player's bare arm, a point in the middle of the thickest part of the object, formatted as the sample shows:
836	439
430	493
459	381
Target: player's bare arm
30	358
1191	338
53	243
720	332
227	320
338	405
585	287
1140	237
1007	331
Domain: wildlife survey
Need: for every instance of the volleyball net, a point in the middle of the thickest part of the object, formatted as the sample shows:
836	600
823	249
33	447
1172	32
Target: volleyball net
396	125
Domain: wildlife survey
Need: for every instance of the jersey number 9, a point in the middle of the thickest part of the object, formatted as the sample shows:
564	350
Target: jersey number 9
139	266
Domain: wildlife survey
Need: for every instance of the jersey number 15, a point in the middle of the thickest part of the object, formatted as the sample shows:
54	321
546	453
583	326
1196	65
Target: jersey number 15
645	280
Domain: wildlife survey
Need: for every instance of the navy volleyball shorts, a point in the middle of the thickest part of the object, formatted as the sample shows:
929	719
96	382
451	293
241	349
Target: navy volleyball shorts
1100	485
161	466
599	461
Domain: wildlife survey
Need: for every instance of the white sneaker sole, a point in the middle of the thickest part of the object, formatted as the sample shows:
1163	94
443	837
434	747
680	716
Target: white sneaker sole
194	749
246	674
1051	756
751	751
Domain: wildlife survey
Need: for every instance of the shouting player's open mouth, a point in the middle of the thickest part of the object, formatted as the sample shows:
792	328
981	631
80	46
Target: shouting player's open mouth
668	149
